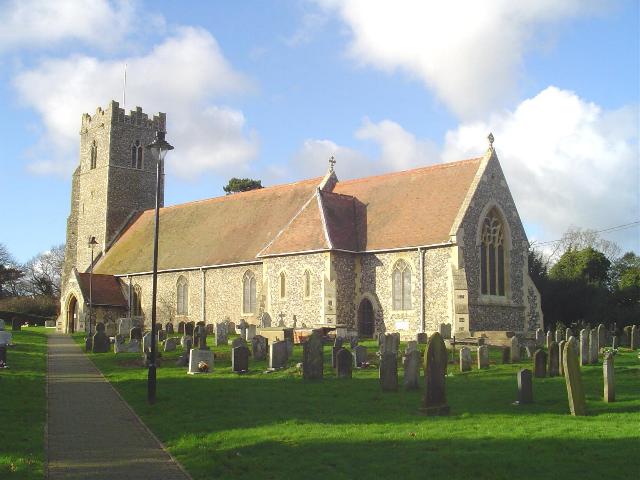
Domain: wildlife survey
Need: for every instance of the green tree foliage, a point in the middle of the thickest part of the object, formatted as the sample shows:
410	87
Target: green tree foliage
587	264
236	185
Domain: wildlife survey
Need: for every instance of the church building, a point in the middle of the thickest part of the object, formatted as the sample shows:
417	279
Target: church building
407	252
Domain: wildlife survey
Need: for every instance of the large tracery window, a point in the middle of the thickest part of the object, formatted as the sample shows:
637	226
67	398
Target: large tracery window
249	292
492	255
182	296
401	286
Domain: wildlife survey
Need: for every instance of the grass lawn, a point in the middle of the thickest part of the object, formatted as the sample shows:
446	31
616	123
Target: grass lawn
23	404
273	426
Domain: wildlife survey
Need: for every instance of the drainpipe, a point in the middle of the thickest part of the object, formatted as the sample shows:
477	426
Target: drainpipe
422	324
129	280
202	296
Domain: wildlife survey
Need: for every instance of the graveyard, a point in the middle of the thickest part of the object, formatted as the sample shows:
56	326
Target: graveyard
273	424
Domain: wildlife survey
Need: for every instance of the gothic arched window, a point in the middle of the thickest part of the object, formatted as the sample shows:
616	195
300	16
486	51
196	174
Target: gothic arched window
283	285
136	155
307	283
401	286
249	292
94	154
136	301
492	255
182	296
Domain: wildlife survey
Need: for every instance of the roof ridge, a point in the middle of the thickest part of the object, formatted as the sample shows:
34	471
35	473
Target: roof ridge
435	166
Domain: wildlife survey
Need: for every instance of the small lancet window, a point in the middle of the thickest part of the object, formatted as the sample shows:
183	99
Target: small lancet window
401	286
249	292
283	285
492	255
94	155
307	283
136	301
182	296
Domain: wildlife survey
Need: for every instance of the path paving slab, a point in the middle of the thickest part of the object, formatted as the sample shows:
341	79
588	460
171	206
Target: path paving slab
92	433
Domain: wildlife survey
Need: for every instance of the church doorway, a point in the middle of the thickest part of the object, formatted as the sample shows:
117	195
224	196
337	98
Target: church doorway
366	319
72	314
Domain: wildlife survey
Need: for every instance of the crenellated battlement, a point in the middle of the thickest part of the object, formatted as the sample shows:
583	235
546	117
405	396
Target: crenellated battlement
113	114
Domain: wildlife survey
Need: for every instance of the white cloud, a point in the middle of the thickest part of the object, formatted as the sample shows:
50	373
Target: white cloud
181	76
469	52
44	23
568	162
312	160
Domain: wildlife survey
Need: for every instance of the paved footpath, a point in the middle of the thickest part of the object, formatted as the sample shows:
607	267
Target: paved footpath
91	432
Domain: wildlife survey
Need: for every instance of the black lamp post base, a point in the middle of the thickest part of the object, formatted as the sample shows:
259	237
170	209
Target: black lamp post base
151	385
88	344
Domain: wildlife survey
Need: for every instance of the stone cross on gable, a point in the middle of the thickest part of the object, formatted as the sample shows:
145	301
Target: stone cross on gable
332	163
491	139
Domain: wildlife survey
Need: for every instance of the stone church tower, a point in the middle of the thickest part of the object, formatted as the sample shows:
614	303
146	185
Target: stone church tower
114	181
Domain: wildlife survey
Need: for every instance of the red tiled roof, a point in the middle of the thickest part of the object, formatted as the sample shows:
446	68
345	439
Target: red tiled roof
105	290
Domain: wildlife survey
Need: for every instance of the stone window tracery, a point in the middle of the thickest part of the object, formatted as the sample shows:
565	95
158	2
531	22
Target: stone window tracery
492	255
137	155
401	286
182	296
249	292
136	301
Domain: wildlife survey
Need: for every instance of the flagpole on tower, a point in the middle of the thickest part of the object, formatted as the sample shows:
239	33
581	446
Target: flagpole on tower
124	89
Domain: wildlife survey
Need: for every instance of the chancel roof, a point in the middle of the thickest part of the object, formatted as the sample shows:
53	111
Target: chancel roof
404	209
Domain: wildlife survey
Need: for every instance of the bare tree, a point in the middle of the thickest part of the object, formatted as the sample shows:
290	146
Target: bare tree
578	239
43	273
10	274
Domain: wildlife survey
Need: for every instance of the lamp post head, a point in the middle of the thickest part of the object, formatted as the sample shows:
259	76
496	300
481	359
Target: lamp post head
159	147
92	242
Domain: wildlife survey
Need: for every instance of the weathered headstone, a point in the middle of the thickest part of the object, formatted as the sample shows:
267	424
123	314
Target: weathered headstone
134	346
515	349
221	334
162	335
388	372
6	338
240	359
412	346
634	344
465	359
389	344
198	359
422	338
553	360
289	344
200	338
278	354
561	345
549	339
353	342
313	357
540	363
525	386
506	355
16	324
3	356
483	356
187	343
119	344
584	346
528	351
186	340
146	342
334	355
251	332
170	344
189	327
124	325
602	335
625	341
101	342
1	324
594	347
573	379
444	329
411	370
539	337
243	328
609	378
338	342
209	328
135	333
238	342
181	328
231	328
360	356
396	341
568	333
169	328
344	364
259	347
435	355
559	335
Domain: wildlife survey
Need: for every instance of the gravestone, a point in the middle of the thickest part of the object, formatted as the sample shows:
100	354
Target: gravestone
568	333
389	344
187	343
243	328
353	342
549	339
289	343
162	335
6	338
200	337
134	346
170	344
238	342
1	324
465	359
146	342
634	344
169	328
525	386
209	328
259	347
16	324
609	378
119	344
602	335
540	363
515	349
338	342
584	347
435	357
625	341
539	337
506	355
265	320
231	327
528	351
101	342
278	354
594	348
221	334
313	357
3	356
553	358
186	340
559	335
411	370
360	356
240	359
189	327
396	341
344	363
135	333
444	329
334	355
251	332
201	323
124	325
422	338
573	379
388	372
614	342
181	328
483	356
561	345
196	356
412	346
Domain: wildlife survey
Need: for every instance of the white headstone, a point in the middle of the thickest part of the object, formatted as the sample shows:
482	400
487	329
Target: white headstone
196	356
5	338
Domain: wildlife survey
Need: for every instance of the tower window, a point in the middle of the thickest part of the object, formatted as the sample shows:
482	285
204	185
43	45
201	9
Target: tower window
492	254
137	155
94	154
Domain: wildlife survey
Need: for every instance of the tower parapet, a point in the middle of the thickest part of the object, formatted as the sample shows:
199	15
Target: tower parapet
113	114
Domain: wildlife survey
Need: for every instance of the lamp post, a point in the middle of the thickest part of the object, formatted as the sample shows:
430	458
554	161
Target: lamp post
89	341
159	148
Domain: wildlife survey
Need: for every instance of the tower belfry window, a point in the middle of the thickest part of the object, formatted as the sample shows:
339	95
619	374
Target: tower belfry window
137	152
94	154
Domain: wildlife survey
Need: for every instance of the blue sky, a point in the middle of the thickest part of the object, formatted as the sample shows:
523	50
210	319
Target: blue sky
271	89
